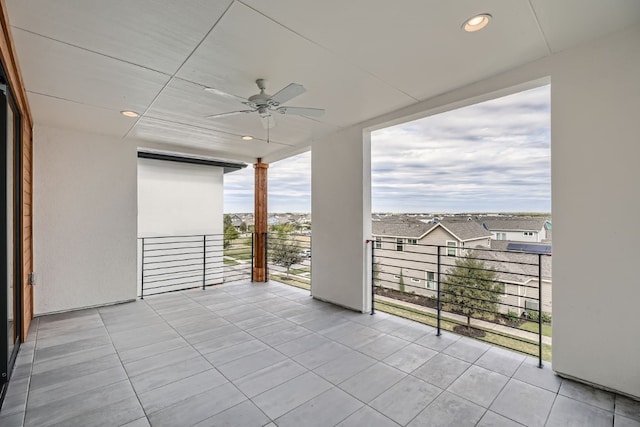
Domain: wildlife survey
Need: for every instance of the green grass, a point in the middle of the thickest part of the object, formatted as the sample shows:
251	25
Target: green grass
240	253
517	344
300	270
533	327
230	262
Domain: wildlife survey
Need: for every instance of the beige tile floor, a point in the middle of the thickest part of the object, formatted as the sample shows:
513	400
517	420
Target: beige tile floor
245	354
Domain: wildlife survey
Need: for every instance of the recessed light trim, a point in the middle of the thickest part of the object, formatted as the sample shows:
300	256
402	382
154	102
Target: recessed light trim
247	137
128	113
476	23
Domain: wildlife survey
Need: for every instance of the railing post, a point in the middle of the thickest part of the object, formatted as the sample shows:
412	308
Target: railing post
540	311
204	260
252	252
373	280
266	257
438	296
142	273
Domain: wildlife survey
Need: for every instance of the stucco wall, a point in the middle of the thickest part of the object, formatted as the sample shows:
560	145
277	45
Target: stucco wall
595	96
178	198
84	219
341	206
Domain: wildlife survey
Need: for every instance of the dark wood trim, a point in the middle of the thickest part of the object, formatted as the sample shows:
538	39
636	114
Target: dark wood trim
227	165
9	60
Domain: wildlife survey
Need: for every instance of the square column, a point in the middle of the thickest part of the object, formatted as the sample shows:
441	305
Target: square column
341	212
260	222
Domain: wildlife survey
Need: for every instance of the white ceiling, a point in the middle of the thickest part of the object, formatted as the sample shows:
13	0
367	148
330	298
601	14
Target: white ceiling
85	61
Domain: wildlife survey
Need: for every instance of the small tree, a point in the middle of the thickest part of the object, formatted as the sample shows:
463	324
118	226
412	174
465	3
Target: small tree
230	232
401	282
470	288
285	253
243	227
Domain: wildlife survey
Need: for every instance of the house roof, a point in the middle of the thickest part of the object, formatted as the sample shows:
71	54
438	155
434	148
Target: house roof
465	230
400	226
403	226
516	267
513	223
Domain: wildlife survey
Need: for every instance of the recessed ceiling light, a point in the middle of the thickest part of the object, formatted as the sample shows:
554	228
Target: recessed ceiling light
247	137
476	23
129	114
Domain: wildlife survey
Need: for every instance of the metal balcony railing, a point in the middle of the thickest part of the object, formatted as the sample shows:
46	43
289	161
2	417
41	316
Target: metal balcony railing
172	263
502	297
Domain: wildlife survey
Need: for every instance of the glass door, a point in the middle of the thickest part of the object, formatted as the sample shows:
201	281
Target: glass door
9	235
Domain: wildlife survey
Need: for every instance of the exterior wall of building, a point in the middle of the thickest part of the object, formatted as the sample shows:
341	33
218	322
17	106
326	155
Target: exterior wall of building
85	219
519	236
594	159
341	206
176	199
179	199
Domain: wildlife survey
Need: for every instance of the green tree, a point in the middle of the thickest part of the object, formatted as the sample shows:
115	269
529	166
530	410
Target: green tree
243	227
470	288
285	253
230	232
282	229
401	283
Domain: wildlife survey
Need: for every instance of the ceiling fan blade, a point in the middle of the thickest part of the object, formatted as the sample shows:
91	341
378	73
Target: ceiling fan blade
224	94
301	111
230	113
268	122
288	93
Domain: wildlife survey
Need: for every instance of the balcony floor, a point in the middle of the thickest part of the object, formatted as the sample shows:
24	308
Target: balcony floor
253	354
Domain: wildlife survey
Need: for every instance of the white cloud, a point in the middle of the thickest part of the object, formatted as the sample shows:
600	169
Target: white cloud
289	186
493	156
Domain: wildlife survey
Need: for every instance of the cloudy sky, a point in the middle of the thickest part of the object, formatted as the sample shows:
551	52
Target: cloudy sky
494	156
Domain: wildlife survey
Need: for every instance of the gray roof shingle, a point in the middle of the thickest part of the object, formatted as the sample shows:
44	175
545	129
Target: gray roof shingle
513	223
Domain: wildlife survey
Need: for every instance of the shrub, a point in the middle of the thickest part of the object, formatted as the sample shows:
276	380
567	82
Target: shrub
512	316
532	315
546	317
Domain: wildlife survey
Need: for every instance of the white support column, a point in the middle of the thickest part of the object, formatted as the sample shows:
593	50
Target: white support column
341	209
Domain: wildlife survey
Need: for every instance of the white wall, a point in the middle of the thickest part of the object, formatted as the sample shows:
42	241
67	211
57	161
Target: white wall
341	206
179	199
595	149
84	219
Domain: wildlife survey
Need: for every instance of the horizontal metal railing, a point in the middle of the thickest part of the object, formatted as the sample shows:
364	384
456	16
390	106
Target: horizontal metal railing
497	296
289	258
172	263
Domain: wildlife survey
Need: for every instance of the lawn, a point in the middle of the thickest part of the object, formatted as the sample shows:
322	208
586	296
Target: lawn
230	262
516	343
533	327
300	270
238	253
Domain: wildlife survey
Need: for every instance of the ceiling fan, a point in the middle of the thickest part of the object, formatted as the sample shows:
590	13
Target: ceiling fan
265	105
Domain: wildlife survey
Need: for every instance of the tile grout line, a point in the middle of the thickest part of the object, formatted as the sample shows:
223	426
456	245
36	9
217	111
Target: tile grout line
33	359
123	368
212	366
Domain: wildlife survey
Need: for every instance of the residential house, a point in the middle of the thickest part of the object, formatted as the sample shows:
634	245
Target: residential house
521	229
409	251
409	246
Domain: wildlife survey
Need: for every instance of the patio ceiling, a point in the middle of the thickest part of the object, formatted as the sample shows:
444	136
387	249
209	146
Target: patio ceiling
85	61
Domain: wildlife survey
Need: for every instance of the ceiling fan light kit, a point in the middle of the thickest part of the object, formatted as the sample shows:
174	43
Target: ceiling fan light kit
265	104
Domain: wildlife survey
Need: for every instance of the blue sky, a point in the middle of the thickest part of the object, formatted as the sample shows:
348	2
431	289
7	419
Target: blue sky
493	156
